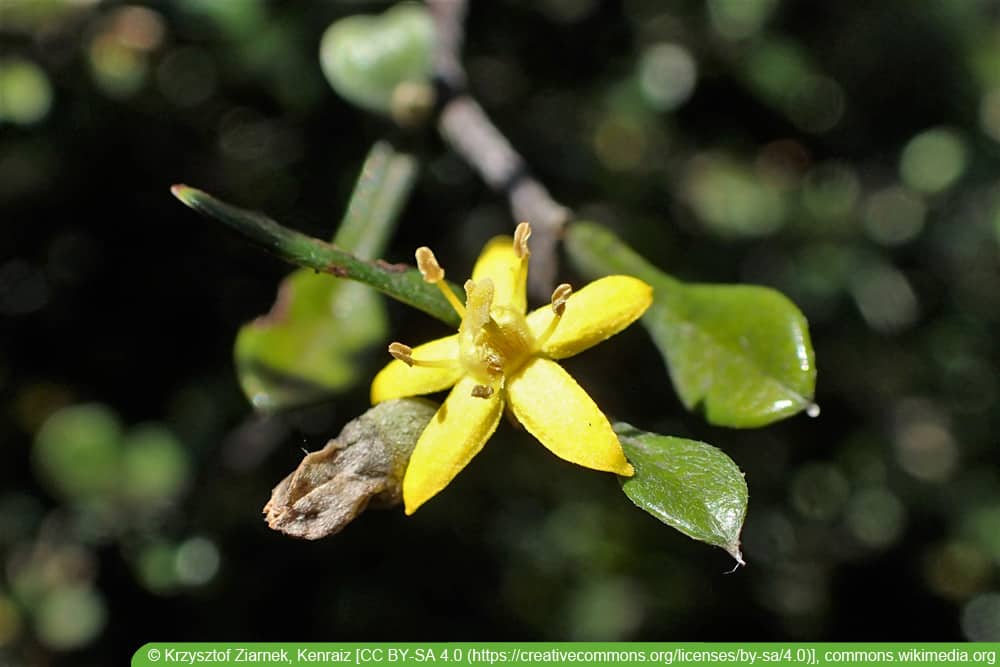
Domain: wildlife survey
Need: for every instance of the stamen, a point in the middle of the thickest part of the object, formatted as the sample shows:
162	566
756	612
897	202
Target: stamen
494	364
404	353
428	265
521	236
452	299
401	352
560	295
434	274
482	391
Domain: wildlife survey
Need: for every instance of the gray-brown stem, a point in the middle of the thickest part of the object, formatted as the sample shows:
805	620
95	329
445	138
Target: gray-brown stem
465	126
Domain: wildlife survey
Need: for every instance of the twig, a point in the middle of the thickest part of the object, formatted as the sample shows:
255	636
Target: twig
449	19
469	131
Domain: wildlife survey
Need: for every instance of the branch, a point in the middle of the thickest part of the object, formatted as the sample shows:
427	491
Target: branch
470	133
396	280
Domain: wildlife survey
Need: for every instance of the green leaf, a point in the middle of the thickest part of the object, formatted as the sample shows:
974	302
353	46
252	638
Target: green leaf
307	347
365	58
688	485
740	352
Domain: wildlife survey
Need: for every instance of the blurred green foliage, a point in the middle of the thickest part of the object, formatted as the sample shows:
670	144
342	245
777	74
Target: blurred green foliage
367	58
307	347
843	153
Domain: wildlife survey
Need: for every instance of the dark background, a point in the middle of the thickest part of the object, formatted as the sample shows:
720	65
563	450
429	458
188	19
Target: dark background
845	153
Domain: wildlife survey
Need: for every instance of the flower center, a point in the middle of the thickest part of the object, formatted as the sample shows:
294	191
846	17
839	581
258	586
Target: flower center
495	341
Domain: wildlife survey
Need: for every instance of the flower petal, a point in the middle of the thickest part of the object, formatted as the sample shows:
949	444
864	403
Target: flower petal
454	435
397	380
595	313
499	263
556	410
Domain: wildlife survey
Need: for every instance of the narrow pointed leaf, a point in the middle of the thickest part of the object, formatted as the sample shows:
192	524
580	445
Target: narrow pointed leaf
398	281
741	353
688	485
307	347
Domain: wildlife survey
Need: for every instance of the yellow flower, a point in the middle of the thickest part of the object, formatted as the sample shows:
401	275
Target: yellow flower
500	358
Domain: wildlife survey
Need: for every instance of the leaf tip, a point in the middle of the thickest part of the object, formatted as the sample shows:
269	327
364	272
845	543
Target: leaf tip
185	193
734	551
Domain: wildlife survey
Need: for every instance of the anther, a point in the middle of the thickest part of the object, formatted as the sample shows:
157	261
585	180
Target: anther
494	364
434	274
521	236
482	391
559	297
402	352
428	265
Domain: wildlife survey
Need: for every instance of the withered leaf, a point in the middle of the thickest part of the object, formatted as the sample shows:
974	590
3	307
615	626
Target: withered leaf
362	466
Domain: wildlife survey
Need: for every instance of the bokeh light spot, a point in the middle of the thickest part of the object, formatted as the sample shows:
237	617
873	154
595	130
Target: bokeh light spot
731	200
981	526
197	561
933	160
894	215
956	570
138	28
154	465
119	53
817	104
875	517
604	610
619	142
25	92
667	75
70	617
118	70
77	451
736	19
830	191
156	567
884	297
925	447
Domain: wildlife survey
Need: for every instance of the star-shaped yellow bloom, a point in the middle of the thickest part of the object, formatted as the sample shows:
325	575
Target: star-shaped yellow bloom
502	357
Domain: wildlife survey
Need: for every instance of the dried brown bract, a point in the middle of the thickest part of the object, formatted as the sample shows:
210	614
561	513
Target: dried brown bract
362	466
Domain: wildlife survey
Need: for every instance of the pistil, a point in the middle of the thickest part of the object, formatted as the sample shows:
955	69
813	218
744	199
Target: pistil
521	235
